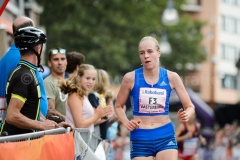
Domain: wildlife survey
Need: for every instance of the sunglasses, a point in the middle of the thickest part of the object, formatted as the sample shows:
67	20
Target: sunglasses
56	51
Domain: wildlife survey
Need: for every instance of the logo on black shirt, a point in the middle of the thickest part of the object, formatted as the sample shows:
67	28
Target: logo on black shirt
26	78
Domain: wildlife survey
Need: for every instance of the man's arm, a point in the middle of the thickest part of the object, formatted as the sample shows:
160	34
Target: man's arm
51	94
61	124
42	118
52	111
14	117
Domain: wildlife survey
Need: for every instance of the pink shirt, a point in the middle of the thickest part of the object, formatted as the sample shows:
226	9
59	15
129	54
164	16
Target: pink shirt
87	111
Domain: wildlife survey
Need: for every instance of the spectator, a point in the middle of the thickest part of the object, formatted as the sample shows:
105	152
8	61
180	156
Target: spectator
13	55
109	101
235	130
121	142
57	62
101	86
113	121
74	60
112	126
236	152
23	87
79	111
222	148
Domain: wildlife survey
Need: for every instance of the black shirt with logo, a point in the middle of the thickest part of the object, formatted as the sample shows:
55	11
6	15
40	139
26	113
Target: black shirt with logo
23	85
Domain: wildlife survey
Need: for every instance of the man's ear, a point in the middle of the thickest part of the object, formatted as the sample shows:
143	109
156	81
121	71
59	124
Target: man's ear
49	64
37	48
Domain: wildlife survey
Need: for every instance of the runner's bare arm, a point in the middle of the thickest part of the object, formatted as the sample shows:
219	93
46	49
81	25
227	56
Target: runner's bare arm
123	94
177	84
124	91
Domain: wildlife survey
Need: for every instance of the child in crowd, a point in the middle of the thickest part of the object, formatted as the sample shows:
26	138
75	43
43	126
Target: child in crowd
112	122
79	110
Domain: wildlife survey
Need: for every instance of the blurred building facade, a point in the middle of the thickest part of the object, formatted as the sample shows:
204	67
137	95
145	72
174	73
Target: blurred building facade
16	8
216	80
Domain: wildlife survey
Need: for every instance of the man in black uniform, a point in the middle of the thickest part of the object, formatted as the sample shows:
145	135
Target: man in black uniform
22	90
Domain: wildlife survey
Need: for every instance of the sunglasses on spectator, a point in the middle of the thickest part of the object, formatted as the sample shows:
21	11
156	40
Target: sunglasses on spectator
56	51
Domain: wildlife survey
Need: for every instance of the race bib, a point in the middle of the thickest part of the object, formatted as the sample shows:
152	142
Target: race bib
152	100
3	108
190	146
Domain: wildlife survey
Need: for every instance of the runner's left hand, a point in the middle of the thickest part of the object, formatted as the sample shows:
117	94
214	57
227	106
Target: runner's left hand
182	116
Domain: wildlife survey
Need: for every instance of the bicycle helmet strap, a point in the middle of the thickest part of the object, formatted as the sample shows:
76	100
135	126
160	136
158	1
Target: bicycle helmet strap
39	58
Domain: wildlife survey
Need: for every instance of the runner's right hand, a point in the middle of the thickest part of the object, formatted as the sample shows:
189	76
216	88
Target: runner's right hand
132	124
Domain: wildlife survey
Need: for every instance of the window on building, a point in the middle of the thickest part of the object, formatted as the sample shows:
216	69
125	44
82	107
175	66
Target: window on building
194	2
238	2
232	2
15	2
229	82
223	22
230	24
228	1
238	25
229	53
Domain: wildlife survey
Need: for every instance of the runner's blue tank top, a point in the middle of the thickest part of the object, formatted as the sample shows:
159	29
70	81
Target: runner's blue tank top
150	100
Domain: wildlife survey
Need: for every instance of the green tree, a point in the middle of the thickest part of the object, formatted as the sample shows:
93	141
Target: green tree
185	39
107	32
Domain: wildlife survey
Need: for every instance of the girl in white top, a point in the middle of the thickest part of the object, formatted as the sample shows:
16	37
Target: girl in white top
79	111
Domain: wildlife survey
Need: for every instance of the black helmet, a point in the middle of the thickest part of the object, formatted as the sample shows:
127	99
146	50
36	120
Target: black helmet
29	37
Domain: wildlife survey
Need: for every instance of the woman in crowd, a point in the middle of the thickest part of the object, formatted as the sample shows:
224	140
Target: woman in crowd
152	132
79	111
101	86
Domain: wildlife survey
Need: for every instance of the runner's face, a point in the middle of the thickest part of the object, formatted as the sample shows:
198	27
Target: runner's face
149	55
58	63
88	80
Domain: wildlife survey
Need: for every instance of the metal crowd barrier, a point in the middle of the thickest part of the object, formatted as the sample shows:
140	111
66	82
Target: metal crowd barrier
90	138
30	136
